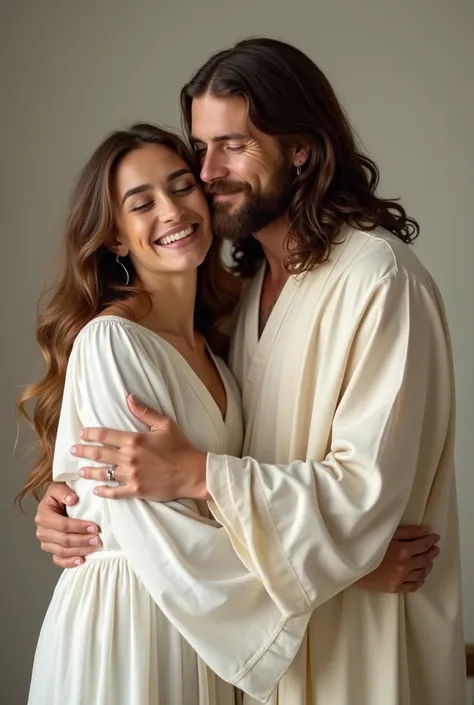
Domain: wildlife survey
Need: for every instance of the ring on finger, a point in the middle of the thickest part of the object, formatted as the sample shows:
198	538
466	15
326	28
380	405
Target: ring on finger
111	473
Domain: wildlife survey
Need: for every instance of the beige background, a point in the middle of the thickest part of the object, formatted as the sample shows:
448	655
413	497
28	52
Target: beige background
72	71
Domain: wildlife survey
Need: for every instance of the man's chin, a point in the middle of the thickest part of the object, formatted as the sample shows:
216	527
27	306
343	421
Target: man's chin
227	225
228	234
229	206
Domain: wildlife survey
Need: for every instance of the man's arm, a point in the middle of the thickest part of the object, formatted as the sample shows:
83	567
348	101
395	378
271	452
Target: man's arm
405	567
361	494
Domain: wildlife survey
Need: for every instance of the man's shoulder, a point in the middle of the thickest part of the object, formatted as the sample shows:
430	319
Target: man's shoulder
367	258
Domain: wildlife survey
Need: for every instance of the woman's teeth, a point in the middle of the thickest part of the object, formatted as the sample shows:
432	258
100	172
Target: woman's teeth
168	239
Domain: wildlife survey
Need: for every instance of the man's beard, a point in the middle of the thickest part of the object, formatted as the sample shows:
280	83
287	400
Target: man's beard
254	214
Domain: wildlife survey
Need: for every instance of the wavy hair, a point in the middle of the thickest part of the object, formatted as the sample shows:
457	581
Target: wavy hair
289	98
91	280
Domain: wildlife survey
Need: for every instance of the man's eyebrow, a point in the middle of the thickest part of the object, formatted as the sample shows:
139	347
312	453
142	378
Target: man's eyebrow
222	138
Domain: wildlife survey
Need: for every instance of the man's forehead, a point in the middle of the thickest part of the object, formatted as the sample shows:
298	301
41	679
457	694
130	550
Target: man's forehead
219	118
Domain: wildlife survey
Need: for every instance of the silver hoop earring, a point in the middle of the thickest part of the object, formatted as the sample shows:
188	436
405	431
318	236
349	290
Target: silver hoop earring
298	171
127	275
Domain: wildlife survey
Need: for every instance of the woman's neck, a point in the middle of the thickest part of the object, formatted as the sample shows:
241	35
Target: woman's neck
173	298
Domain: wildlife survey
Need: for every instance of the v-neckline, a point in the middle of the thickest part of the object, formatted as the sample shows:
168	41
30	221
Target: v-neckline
277	314
193	378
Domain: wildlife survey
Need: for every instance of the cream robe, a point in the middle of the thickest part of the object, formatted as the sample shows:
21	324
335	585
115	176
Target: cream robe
349	410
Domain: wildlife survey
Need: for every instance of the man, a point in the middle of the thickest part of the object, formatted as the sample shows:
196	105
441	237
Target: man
342	352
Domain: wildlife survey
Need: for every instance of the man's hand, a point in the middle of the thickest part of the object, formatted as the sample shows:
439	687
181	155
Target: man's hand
159	465
69	540
407	562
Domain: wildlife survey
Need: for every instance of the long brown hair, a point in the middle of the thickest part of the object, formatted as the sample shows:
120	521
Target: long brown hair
289	98
91	280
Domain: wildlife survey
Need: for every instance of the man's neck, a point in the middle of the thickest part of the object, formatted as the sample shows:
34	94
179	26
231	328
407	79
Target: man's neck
272	239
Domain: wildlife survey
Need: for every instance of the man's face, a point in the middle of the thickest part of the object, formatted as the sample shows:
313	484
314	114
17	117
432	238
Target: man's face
245	171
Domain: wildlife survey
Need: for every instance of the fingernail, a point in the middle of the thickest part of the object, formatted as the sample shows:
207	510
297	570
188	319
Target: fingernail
94	542
82	433
92	529
81	472
438	538
132	398
73	450
68	498
96	491
78	562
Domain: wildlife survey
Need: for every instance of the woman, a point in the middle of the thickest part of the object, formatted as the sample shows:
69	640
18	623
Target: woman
141	291
121	319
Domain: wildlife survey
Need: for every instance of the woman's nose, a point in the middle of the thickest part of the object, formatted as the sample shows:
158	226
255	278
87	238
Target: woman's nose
170	209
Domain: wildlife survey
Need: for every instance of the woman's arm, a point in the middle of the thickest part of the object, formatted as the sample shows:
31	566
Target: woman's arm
186	563
351	501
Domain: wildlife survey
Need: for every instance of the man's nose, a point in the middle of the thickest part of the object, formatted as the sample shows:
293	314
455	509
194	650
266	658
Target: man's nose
213	168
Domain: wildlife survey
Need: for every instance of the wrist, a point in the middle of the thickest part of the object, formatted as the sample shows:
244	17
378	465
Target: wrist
193	465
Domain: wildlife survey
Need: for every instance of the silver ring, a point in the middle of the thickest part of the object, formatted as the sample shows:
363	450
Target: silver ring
111	474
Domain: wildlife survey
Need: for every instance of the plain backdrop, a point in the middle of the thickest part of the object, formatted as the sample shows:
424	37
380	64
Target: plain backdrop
73	71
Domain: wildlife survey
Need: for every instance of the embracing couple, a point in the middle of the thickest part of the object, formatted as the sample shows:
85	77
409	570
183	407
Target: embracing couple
268	532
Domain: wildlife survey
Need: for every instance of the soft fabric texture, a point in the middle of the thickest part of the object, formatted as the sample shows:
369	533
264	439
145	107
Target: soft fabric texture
348	401
126	628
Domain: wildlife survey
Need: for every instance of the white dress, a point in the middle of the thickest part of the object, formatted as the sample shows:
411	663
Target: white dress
126	627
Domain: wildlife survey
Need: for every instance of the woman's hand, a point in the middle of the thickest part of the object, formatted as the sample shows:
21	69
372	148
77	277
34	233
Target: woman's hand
158	465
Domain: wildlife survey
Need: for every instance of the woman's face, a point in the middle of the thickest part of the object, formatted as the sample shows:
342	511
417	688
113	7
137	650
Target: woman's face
162	215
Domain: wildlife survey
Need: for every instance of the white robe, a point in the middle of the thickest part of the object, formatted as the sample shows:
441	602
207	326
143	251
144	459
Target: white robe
166	595
349	411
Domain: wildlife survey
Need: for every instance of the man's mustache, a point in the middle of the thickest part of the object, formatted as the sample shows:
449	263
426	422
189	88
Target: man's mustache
220	188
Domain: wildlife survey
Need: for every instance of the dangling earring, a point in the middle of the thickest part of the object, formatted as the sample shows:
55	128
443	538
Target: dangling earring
298	171
127	275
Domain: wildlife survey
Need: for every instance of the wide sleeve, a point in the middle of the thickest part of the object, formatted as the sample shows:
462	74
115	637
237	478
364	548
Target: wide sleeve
312	528
187	564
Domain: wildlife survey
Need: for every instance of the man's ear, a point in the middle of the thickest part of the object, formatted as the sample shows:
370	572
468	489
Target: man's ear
300	154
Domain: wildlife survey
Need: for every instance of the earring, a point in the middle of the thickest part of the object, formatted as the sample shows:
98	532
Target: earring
298	171
127	275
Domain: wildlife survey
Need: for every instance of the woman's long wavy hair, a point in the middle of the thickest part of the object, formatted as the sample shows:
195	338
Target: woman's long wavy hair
290	98
91	280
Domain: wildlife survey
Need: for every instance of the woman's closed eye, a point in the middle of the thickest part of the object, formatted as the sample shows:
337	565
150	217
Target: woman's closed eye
181	189
142	207
184	189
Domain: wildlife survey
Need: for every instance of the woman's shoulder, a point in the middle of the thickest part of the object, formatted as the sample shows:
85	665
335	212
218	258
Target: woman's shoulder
109	332
106	325
122	354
